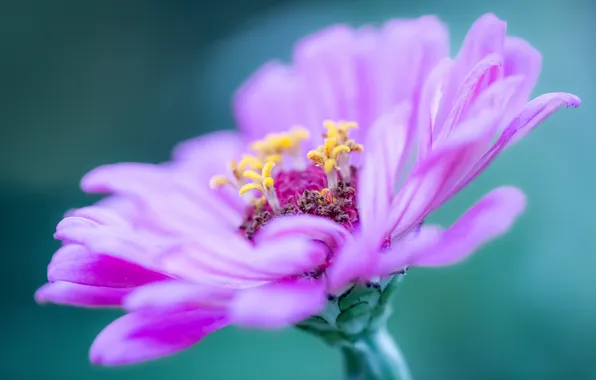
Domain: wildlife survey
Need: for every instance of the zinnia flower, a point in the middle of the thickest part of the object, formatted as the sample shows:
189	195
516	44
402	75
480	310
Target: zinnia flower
339	159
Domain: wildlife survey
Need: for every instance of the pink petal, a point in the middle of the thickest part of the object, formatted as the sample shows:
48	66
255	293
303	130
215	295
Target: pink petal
403	253
209	154
326	61
138	337
114	241
171	197
278	305
485	37
388	146
67	293
440	172
168	296
472	85
212	259
273	99
533	114
307	226
354	262
408	51
491	217
74	263
429	104
521	58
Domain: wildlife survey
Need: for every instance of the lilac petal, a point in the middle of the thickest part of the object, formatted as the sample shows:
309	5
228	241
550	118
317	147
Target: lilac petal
521	58
279	304
138	337
168	296
472	85
67	293
284	257
326	61
429	104
272	100
101	214
74	263
533	114
308	226
491	217
440	172
114	241
485	37
354	262
408	51
209	154
404	252
171	197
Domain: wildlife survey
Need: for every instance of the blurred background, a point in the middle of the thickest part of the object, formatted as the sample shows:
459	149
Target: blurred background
86	83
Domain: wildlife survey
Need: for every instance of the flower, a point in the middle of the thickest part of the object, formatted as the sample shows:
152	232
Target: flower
257	228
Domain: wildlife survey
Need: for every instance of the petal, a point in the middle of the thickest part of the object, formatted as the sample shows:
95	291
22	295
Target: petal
405	252
444	168
278	305
288	256
533	114
119	242
491	217
326	61
485	37
138	337
209	154
172	296
171	197
388	146
521	58
273	99
408	51
354	262
486	72
308	226
66	293
74	263
432	92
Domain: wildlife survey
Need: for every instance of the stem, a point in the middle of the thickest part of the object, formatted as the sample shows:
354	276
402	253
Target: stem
375	357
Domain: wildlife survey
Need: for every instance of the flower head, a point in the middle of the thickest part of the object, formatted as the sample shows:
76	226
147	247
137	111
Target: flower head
340	159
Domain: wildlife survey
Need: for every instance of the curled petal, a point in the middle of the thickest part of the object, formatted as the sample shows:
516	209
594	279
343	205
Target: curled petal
406	251
278	304
74	263
388	146
491	217
521	58
67	293
305	226
272	99
138	337
173	296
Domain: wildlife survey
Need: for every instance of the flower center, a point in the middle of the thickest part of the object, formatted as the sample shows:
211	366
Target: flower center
288	184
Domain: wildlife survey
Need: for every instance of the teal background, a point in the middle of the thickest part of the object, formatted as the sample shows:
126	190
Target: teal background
85	83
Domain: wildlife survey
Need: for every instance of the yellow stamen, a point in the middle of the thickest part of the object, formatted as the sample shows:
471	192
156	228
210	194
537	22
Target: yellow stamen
219	181
250	186
254	176
333	154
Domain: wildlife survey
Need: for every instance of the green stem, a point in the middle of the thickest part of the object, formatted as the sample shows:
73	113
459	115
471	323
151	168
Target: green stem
375	357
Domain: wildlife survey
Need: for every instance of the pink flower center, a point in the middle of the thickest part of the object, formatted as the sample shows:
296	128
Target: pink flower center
303	192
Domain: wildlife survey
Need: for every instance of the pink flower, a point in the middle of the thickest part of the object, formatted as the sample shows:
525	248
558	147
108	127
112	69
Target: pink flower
185	259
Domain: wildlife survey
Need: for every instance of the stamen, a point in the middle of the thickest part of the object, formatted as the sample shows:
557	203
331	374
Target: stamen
262	183
275	145
219	181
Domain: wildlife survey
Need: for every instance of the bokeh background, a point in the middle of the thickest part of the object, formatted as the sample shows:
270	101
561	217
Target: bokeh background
85	83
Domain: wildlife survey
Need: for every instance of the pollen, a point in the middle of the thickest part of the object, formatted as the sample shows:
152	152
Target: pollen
333	154
275	145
